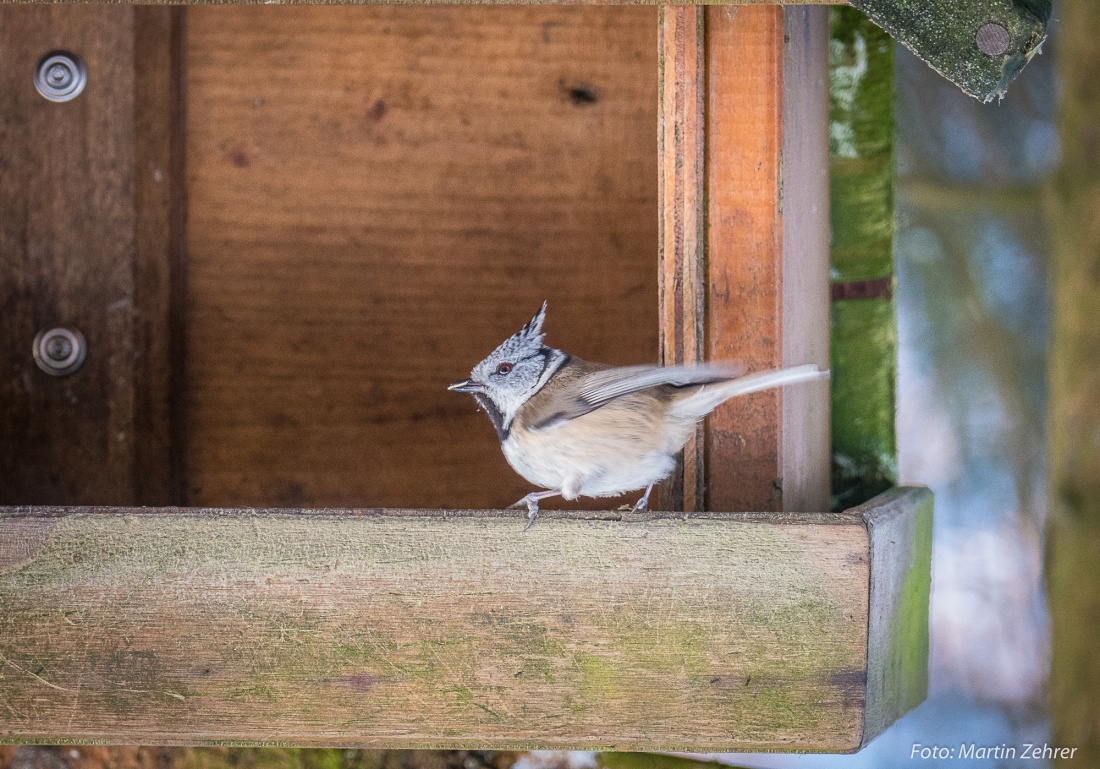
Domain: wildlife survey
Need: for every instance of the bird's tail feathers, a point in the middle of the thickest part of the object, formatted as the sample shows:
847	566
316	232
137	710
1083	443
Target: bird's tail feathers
704	400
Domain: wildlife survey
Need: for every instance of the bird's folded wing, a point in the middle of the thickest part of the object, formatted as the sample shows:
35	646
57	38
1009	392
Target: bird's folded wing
599	388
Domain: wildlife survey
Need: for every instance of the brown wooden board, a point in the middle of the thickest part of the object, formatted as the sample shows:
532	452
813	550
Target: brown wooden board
804	186
451	2
379	196
160	261
84	242
745	243
681	151
433	628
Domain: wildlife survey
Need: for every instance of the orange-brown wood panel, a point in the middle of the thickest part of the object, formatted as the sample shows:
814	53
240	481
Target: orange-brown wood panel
377	197
682	190
744	258
744	291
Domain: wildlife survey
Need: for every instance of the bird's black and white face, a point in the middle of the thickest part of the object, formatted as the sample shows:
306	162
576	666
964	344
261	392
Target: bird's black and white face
512	373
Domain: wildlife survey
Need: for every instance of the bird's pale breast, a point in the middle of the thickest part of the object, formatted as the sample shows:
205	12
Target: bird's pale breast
623	446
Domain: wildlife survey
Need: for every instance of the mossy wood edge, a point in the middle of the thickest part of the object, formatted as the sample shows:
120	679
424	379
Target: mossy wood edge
900	526
944	33
719	632
863	342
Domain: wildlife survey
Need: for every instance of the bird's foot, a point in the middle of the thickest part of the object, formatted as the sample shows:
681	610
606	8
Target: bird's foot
642	505
531	502
532	513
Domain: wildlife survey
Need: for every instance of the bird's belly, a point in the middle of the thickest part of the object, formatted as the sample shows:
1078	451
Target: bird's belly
583	462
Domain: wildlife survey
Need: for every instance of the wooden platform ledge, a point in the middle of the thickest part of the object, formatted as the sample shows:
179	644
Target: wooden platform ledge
422	628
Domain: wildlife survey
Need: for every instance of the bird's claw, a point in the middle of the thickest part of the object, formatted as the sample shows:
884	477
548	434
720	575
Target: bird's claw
531	502
532	514
642	505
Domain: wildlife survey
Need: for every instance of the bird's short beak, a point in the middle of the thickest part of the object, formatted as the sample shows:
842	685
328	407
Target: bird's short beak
466	386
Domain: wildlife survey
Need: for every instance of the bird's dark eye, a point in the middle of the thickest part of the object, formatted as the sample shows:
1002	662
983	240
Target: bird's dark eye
504	368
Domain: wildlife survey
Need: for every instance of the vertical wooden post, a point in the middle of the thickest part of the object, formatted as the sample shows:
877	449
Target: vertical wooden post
804	201
744	243
159	259
86	187
682	240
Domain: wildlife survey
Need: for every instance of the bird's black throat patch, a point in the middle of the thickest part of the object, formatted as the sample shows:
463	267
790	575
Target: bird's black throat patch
494	413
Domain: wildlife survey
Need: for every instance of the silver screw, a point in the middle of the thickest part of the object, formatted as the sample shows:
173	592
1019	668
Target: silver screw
992	39
59	351
60	76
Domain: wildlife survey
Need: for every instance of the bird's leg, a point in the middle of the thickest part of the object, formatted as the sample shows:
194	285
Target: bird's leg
532	502
642	505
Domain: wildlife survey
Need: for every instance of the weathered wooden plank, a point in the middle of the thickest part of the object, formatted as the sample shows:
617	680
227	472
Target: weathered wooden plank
378	205
900	524
432	628
980	45
455	2
160	210
80	247
804	182
744	249
744	243
681	153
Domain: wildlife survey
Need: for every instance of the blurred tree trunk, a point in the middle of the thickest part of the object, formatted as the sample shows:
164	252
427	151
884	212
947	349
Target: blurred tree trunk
1073	533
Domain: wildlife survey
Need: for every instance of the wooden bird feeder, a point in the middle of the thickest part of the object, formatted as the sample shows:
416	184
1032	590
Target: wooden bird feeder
253	514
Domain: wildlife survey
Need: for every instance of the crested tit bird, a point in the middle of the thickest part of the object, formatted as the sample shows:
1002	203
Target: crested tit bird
587	429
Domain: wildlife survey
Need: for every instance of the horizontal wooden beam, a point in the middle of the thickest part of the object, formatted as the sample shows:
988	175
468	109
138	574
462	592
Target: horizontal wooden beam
434	2
715	632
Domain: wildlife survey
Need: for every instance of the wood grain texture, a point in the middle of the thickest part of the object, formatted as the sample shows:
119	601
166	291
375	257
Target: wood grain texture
943	34
434	628
160	210
379	196
681	146
80	245
744	243
455	2
744	292
804	182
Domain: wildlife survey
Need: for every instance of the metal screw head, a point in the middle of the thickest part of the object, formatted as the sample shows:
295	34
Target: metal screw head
59	351
60	76
992	39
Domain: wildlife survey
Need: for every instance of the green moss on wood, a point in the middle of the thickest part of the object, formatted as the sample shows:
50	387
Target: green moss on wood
897	642
423	631
908	656
943	33
864	337
864	347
